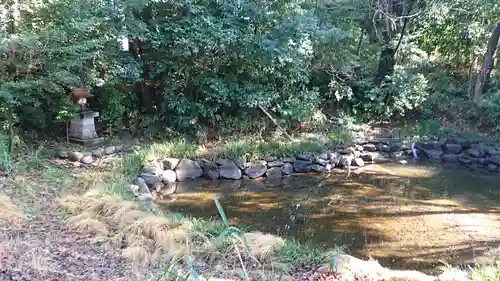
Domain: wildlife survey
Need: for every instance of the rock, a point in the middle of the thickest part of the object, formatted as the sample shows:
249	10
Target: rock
452	148
271	158
211	171
110	150
319	161
384	147
157	187
358	162
168	189
230	171
450	157
465	159
87	159
98	152
328	167
170	163
476	152
168	176
75	156
276	163
287	169
428	145
356	154
274	172
492	167
304	156
153	168
289	159
396	146
62	154
77	164
324	156
139	181
301	166
151	179
346	160
359	148
229	186
347	151
256	170
334	159
431	149
119	148
369	147
482	161
318	168
495	159
188	170
367	156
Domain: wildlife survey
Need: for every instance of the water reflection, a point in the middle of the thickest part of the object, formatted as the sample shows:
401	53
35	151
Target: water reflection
405	215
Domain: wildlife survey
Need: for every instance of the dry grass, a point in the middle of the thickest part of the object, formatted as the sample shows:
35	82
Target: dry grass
9	213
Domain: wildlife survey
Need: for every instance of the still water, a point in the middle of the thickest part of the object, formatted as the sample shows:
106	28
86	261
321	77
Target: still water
411	216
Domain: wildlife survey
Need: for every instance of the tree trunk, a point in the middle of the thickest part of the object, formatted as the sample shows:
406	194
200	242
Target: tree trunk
485	71
386	64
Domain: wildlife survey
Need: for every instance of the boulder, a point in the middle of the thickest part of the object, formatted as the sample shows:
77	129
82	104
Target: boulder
324	156
62	154
432	149
359	148
75	156
110	150
211	171
492	167
119	148
367	156
318	168
98	152
274	172
304	156
467	160
276	163
287	169
476	152
150	179
152	168
358	162
334	159
168	176
495	159
256	170
289	159
87	160
369	147
230	171
450	157
301	166
188	170
346	160
170	163
320	161
452	148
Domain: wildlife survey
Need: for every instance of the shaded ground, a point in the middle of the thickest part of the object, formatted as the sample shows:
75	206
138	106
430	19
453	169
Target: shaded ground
416	217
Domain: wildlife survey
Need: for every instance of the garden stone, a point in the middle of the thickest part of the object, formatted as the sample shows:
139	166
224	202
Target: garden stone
328	168
229	186
318	168
495	159
369	147
301	166
450	157
287	169
320	161
358	162
153	168
256	170
384	147
211	171
98	152
62	154
188	170
304	156
87	160
139	181
274	172
271	158
276	163
347	151
150	179
482	161
230	171
359	147
289	159
223	161
168	176
75	156
452	148
356	154
110	150
170	163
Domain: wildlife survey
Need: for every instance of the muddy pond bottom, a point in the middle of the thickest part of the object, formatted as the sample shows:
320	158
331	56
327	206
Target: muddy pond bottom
407	216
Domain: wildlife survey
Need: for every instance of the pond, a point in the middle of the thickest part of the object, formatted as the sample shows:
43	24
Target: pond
408	216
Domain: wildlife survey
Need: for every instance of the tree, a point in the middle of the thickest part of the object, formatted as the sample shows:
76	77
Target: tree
487	66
